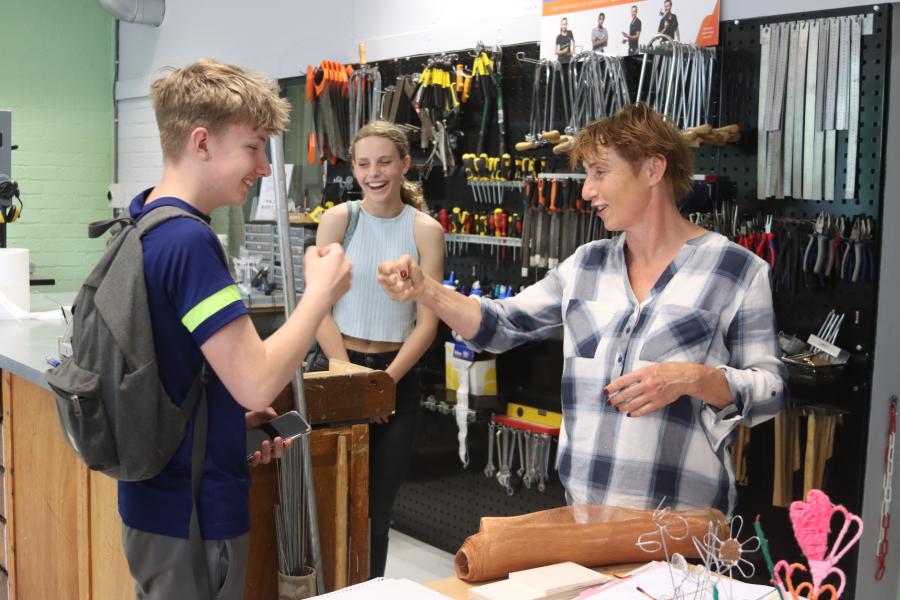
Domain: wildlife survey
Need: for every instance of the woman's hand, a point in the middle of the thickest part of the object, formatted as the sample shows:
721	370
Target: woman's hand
402	279
265	454
652	387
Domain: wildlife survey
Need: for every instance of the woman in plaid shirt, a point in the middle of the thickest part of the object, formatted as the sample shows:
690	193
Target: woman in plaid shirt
669	337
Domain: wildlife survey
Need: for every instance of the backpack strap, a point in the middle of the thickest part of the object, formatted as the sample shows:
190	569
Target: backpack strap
197	396
353	213
98	228
160	215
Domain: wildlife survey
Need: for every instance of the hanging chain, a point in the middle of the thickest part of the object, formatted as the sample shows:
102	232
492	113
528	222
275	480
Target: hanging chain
886	492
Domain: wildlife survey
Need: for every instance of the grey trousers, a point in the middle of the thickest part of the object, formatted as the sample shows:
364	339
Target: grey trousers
161	566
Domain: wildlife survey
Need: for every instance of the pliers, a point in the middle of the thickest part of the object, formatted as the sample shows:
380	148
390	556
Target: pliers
765	245
819	253
857	262
746	239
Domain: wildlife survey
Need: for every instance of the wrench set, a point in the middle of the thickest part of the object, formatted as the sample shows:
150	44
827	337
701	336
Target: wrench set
531	448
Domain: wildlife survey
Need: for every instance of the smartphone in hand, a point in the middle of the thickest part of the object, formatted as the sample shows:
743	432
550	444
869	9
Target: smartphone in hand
288	426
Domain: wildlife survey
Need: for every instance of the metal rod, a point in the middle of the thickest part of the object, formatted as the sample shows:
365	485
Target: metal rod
276	146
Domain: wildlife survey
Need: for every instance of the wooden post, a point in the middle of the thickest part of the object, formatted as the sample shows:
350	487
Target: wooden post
341	492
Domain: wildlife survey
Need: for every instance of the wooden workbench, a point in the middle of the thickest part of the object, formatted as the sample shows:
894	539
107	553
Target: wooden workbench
61	533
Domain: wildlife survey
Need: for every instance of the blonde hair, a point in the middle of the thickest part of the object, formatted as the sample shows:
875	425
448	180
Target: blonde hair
214	95
410	193
638	132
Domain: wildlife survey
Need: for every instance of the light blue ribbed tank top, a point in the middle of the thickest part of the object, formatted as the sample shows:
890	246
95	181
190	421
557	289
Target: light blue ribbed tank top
365	311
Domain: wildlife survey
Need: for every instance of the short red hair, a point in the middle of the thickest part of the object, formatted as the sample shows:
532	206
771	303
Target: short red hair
637	132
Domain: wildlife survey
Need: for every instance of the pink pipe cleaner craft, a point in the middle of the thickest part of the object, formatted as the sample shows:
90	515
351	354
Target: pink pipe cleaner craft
812	524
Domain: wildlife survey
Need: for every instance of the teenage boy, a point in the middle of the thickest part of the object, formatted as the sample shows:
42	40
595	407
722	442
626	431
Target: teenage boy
214	121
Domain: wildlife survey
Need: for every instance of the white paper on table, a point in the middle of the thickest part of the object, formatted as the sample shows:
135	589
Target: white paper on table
265	207
656	580
380	588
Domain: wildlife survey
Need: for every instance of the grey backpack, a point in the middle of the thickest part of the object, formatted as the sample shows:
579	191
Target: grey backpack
112	406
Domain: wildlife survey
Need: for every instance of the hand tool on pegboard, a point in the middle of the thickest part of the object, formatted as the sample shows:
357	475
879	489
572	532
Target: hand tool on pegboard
738	452
505	157
678	83
529	212
536	118
555	221
528	441
809	82
786	457
364	94
483	75
329	91
821	427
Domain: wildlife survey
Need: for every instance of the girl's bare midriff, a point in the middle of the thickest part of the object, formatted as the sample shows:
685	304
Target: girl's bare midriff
369	346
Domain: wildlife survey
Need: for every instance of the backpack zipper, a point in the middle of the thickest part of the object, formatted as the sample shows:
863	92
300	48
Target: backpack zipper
77	403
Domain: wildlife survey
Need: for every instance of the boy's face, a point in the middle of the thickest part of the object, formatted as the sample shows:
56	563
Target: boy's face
236	158
600	20
633	11
564	25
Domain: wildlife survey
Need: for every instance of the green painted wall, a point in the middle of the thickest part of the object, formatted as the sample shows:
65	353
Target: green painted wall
57	69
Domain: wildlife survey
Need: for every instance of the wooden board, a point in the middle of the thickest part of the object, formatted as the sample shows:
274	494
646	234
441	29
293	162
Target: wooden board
350	393
47	499
263	562
110	577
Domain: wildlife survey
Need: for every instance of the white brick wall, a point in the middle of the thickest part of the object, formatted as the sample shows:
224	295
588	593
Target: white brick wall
140	156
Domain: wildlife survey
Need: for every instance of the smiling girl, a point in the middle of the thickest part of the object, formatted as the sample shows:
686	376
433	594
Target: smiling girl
366	327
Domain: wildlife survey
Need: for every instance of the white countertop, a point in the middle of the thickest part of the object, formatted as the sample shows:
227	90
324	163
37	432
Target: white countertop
26	344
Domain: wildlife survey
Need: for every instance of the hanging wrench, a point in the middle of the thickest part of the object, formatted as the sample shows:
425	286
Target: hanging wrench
520	443
545	462
529	458
503	472
490	469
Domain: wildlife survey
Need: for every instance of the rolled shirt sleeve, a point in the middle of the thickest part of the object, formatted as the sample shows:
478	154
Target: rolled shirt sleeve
755	375
532	315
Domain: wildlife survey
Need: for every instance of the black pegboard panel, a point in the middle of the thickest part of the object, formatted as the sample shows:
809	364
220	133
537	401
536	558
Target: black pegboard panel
441	503
803	310
739	67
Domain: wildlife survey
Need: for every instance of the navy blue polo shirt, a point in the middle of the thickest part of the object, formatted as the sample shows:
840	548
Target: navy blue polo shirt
191	296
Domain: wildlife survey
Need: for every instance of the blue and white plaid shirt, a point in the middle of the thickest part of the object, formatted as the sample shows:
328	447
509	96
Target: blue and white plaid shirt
712	305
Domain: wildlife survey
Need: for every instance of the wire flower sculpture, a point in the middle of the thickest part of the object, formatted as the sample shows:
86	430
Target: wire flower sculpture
668	526
728	555
721	557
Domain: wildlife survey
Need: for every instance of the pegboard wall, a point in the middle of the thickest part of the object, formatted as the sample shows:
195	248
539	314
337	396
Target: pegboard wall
804	309
446	192
441	503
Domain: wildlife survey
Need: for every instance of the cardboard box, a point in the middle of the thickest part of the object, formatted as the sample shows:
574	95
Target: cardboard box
482	373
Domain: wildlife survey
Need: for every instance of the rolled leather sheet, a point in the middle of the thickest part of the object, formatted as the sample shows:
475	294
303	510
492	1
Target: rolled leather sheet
587	534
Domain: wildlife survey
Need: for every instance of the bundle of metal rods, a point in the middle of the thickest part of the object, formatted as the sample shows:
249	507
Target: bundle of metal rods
290	514
678	82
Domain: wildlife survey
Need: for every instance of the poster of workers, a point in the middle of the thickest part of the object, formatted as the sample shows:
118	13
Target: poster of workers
621	27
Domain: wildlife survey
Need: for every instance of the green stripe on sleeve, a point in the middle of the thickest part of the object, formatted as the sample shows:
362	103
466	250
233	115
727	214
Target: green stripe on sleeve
210	306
